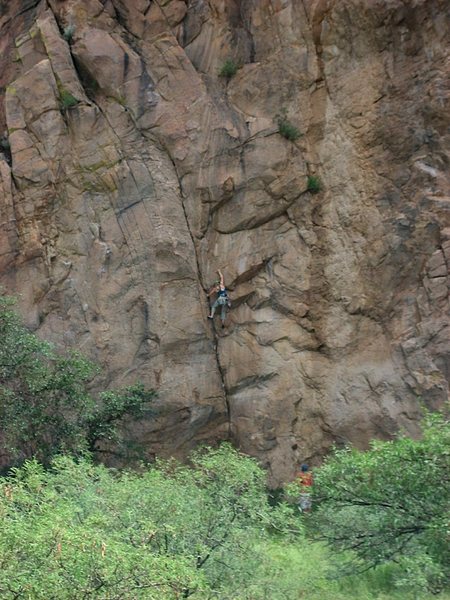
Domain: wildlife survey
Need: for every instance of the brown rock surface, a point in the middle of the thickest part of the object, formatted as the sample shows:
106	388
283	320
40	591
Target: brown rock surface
118	205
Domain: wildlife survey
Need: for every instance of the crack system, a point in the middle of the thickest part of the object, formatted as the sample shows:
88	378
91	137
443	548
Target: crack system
200	279
320	288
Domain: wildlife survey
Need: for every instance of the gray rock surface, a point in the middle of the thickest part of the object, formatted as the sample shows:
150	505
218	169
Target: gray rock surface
136	171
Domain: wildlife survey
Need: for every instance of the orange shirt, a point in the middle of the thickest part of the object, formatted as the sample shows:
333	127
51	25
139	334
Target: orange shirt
305	479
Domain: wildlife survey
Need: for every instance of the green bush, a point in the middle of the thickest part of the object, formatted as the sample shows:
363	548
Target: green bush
286	129
45	404
167	532
390	503
68	33
66	99
313	184
305	570
229	69
207	530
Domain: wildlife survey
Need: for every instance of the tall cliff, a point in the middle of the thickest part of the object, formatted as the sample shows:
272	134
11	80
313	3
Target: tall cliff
130	171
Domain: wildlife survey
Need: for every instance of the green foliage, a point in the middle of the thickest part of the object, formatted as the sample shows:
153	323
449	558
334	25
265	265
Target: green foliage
167	532
170	531
66	99
301	570
45	406
314	184
285	127
229	69
68	33
101	423
206	530
391	504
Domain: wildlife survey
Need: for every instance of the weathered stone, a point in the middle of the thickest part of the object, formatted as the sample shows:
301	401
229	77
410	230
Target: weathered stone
162	14
437	288
60	58
446	251
106	59
118	211
436	265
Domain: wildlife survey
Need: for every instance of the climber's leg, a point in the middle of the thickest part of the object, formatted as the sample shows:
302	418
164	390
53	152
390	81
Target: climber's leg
223	313
213	309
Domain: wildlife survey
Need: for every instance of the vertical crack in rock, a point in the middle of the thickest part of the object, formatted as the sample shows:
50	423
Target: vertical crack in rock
222	376
204	290
138	170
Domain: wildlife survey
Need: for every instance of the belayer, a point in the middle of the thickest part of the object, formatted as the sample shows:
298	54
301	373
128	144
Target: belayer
305	481
222	299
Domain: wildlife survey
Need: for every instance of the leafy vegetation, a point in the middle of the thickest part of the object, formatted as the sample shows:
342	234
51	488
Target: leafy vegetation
286	128
166	532
391	504
68	33
66	99
229	69
313	184
170	531
71	529
45	405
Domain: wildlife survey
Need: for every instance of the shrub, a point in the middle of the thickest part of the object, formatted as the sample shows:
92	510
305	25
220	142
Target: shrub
45	404
68	33
286	129
390	504
313	184
229	69
66	99
166	532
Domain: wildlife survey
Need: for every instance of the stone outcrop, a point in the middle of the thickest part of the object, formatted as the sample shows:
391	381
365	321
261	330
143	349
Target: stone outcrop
131	171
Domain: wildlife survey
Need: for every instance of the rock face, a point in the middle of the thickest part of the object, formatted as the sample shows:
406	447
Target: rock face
131	171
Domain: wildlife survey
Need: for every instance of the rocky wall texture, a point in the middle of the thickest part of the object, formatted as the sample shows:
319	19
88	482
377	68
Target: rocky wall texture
131	171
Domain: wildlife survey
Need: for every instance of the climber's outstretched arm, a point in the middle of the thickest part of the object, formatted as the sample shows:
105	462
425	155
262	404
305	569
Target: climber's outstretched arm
221	277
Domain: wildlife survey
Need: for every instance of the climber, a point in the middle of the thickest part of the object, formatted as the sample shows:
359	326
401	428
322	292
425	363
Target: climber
305	480
222	298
